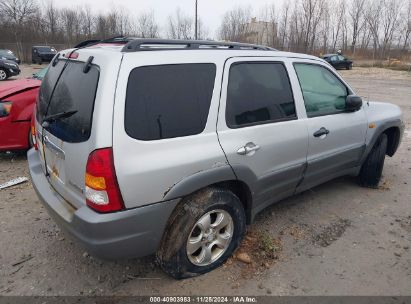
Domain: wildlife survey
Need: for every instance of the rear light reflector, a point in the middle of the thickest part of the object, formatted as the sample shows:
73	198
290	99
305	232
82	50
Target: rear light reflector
102	190
33	132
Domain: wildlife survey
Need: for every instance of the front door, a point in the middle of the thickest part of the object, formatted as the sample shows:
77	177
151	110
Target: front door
336	137
259	128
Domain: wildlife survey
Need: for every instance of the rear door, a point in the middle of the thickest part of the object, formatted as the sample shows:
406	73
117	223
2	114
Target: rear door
259	127
336	137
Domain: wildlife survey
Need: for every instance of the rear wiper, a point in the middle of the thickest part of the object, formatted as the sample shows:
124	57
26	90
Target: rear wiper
58	116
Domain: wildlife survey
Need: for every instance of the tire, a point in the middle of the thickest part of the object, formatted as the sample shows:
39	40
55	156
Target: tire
3	74
174	255
371	170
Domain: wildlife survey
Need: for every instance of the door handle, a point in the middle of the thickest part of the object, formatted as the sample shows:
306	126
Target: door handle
249	149
320	133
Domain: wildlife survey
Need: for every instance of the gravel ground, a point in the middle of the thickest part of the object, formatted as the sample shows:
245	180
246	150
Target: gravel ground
336	239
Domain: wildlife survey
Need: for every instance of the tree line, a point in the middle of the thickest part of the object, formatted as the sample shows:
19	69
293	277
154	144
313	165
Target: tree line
372	27
378	28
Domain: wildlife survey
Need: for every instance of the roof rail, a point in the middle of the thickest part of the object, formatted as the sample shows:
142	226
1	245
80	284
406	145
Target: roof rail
140	44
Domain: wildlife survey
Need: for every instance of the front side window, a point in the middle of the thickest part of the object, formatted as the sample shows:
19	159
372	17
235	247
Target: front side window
168	101
323	92
258	93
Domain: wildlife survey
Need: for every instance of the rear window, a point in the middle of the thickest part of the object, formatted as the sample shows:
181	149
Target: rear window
75	91
168	101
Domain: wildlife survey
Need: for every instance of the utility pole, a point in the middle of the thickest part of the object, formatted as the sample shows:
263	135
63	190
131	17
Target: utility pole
196	21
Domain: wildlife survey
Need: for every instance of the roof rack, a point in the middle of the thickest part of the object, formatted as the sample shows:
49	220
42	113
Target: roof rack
140	45
116	40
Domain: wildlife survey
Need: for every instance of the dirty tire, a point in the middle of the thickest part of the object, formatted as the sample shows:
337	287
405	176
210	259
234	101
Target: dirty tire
172	255
371	170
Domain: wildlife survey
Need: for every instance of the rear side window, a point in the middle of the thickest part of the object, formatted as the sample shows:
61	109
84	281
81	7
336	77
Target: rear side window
168	101
258	93
74	91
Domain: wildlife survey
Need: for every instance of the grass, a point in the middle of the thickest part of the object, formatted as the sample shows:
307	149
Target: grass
392	65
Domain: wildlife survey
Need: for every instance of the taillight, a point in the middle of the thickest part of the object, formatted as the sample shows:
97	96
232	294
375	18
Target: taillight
33	131
102	190
5	108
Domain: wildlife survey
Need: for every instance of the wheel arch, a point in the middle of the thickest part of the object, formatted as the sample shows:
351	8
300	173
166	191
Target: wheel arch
394	130
221	177
394	139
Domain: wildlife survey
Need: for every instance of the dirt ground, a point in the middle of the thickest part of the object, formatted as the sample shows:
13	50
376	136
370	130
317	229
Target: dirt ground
336	239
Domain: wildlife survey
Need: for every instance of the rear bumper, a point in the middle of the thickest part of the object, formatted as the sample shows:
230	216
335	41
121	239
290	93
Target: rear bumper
127	234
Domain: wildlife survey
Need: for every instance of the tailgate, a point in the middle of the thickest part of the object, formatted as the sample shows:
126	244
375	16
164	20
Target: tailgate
63	122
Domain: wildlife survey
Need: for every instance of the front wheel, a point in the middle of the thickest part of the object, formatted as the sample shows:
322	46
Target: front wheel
3	74
371	170
202	233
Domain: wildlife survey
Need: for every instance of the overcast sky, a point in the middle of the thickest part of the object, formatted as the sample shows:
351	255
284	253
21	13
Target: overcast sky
210	11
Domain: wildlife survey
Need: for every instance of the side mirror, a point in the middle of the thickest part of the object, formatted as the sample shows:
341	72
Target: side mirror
353	103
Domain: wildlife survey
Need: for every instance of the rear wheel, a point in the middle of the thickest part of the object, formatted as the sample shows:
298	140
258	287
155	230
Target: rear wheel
371	170
202	233
3	74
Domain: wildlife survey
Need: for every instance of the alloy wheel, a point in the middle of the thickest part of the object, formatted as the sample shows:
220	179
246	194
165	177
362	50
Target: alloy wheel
210	237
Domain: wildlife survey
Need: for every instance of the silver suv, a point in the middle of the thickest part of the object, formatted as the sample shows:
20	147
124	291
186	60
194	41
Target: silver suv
172	147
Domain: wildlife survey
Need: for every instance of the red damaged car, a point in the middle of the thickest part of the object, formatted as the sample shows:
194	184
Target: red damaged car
17	101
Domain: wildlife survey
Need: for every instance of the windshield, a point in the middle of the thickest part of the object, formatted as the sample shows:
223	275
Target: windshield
7	53
74	91
40	74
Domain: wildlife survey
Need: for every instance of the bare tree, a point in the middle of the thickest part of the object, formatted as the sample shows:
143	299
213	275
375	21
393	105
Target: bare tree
389	24
89	21
180	26
234	26
51	18
406	26
373	17
69	19
18	12
356	12
147	26
283	26
203	31
370	27
337	19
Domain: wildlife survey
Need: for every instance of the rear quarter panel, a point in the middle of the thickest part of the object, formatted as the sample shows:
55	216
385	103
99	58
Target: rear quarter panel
148	170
